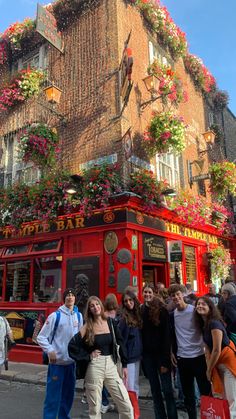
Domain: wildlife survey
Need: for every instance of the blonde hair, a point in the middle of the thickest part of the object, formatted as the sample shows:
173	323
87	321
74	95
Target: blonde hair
89	319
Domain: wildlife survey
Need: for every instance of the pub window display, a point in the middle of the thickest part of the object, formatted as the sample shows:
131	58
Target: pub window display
18	281
47	280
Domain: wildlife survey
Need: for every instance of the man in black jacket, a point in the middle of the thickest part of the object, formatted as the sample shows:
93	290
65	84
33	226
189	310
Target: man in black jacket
229	295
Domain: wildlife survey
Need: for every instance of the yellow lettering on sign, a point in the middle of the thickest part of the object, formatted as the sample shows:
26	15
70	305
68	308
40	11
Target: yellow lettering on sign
60	225
69	225
79	222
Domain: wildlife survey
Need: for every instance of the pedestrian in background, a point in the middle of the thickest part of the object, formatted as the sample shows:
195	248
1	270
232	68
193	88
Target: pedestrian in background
130	325
229	312
157	353
5	330
95	345
61	369
212	294
220	351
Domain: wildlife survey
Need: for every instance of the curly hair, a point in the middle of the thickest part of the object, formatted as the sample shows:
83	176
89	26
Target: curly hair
89	319
132	317
155	307
213	314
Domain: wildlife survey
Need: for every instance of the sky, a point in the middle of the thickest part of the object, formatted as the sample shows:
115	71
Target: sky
210	27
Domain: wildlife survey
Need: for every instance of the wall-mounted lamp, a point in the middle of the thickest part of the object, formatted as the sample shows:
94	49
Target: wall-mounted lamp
152	85
169	192
209	137
73	187
53	95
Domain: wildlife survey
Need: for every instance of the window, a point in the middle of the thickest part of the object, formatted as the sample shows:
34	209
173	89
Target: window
47	280
201	187
18	281
16	250
12	169
1	280
191	270
53	246
158	53
35	59
168	168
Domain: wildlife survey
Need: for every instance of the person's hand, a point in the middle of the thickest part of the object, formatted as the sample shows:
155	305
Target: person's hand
163	370
95	354
173	360
52	357
209	374
125	376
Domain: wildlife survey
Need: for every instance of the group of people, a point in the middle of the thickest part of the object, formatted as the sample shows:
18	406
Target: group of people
170	336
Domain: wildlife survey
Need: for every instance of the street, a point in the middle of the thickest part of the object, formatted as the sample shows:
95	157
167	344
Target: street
25	401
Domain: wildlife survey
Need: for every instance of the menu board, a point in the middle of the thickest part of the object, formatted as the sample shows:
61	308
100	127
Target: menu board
190	261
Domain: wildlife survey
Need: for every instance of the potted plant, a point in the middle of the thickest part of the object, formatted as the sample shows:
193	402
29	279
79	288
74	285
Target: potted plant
143	183
165	134
223	179
38	144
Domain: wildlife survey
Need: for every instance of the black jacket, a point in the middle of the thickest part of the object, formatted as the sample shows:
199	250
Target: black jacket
132	338
230	314
80	351
157	339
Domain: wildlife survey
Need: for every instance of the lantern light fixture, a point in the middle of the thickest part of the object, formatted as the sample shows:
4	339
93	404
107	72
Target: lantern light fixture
53	94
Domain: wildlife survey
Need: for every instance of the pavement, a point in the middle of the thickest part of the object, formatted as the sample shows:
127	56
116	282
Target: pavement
23	372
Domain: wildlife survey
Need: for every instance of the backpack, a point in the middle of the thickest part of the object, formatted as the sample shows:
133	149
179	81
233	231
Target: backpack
58	316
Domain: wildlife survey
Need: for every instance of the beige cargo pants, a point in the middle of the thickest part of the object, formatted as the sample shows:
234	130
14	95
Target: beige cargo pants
102	371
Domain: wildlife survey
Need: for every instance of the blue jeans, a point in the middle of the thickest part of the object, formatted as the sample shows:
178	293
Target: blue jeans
158	383
59	391
105	395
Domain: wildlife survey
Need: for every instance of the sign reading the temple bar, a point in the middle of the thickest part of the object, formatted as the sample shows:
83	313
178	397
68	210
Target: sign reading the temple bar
46	25
154	248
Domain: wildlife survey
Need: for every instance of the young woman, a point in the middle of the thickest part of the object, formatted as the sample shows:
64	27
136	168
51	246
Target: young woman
220	351
95	344
130	326
157	353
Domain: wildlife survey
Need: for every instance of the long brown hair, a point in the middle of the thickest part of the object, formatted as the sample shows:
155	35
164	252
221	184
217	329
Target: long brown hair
155	308
213	314
89	319
132	317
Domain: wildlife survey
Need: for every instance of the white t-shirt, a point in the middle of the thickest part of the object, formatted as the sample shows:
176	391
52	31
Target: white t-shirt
189	339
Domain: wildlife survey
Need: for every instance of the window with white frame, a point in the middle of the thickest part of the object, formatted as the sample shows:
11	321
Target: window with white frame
168	168
35	59
157	53
12	169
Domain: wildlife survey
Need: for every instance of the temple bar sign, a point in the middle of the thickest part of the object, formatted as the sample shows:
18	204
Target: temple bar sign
46	25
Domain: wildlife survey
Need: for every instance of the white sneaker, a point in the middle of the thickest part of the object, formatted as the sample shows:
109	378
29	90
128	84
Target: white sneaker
104	409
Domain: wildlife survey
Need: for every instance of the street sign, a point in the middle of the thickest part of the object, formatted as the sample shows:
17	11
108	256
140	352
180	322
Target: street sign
200	177
46	25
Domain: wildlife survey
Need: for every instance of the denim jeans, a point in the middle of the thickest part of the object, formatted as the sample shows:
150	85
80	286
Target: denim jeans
160	383
105	395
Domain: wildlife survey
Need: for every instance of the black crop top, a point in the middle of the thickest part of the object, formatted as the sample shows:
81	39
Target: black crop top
103	342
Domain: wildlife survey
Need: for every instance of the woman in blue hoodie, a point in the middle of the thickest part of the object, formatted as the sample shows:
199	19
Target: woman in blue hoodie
130	326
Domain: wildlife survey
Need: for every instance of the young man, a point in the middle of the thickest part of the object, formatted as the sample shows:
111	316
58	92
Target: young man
188	352
61	369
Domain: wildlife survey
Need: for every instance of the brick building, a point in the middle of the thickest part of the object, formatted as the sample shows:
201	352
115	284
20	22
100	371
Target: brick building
107	109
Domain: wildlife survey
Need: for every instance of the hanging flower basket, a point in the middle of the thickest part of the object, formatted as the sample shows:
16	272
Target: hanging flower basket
202	78
220	263
170	86
38	144
144	184
25	84
165	134
223	179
